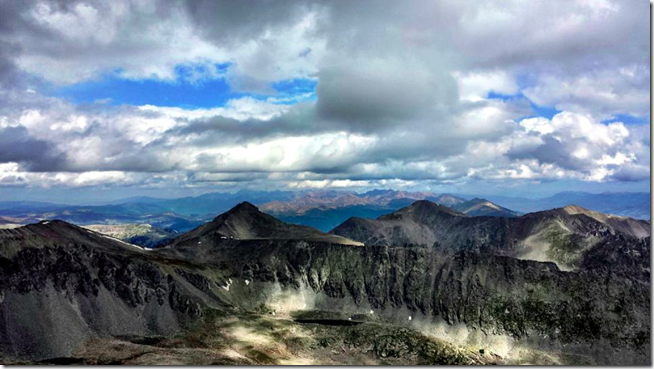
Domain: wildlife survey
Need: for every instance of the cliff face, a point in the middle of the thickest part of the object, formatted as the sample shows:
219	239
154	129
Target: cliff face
493	294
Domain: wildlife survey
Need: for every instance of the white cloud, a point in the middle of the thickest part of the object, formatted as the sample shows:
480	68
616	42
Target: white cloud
476	86
603	93
578	146
401	92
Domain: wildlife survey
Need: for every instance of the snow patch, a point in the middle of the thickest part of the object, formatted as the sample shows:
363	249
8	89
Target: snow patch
121	241
229	283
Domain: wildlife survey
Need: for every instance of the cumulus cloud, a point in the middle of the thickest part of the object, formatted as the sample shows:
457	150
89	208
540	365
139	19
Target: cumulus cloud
402	92
604	93
580	146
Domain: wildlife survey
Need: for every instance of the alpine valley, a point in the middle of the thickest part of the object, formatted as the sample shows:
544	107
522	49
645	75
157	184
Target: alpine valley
405	278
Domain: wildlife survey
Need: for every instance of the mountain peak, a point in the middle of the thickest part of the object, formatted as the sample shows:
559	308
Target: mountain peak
246	222
447	199
421	208
244	207
574	209
482	207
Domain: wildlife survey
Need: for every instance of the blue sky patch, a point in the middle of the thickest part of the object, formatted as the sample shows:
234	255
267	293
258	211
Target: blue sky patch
187	91
540	111
628	120
191	90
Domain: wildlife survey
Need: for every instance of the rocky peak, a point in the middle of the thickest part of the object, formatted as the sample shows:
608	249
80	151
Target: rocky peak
244	208
246	222
423	208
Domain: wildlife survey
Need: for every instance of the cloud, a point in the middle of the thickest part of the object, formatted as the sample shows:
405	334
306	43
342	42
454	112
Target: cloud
374	93
16	145
579	146
476	86
401	92
604	93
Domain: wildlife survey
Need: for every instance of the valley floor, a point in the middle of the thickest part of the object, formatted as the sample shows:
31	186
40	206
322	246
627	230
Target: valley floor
265	339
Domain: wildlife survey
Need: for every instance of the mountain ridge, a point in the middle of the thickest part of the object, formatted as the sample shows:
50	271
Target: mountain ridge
245	221
554	235
62	286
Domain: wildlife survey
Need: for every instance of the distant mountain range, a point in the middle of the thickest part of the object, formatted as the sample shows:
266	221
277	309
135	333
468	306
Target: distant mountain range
628	204
323	210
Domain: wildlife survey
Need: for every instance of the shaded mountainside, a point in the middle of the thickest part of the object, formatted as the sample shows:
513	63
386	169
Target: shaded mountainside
494	295
559	235
245	221
63	287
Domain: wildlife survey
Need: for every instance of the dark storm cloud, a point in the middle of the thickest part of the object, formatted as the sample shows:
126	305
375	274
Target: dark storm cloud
631	173
550	151
242	21
16	145
369	98
299	120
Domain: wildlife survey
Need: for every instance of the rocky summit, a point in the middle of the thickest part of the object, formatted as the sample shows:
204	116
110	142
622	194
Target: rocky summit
426	284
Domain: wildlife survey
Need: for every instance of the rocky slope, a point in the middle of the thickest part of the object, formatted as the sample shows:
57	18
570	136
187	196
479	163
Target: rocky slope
67	293
559	235
61	285
246	221
498	299
634	227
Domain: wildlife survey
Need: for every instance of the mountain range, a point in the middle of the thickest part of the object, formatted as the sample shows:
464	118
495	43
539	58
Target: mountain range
629	204
322	210
562	235
425	284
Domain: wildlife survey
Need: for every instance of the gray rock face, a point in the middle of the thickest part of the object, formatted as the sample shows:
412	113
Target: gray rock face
495	294
56	296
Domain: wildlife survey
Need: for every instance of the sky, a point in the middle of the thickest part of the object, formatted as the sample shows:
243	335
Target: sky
103	100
